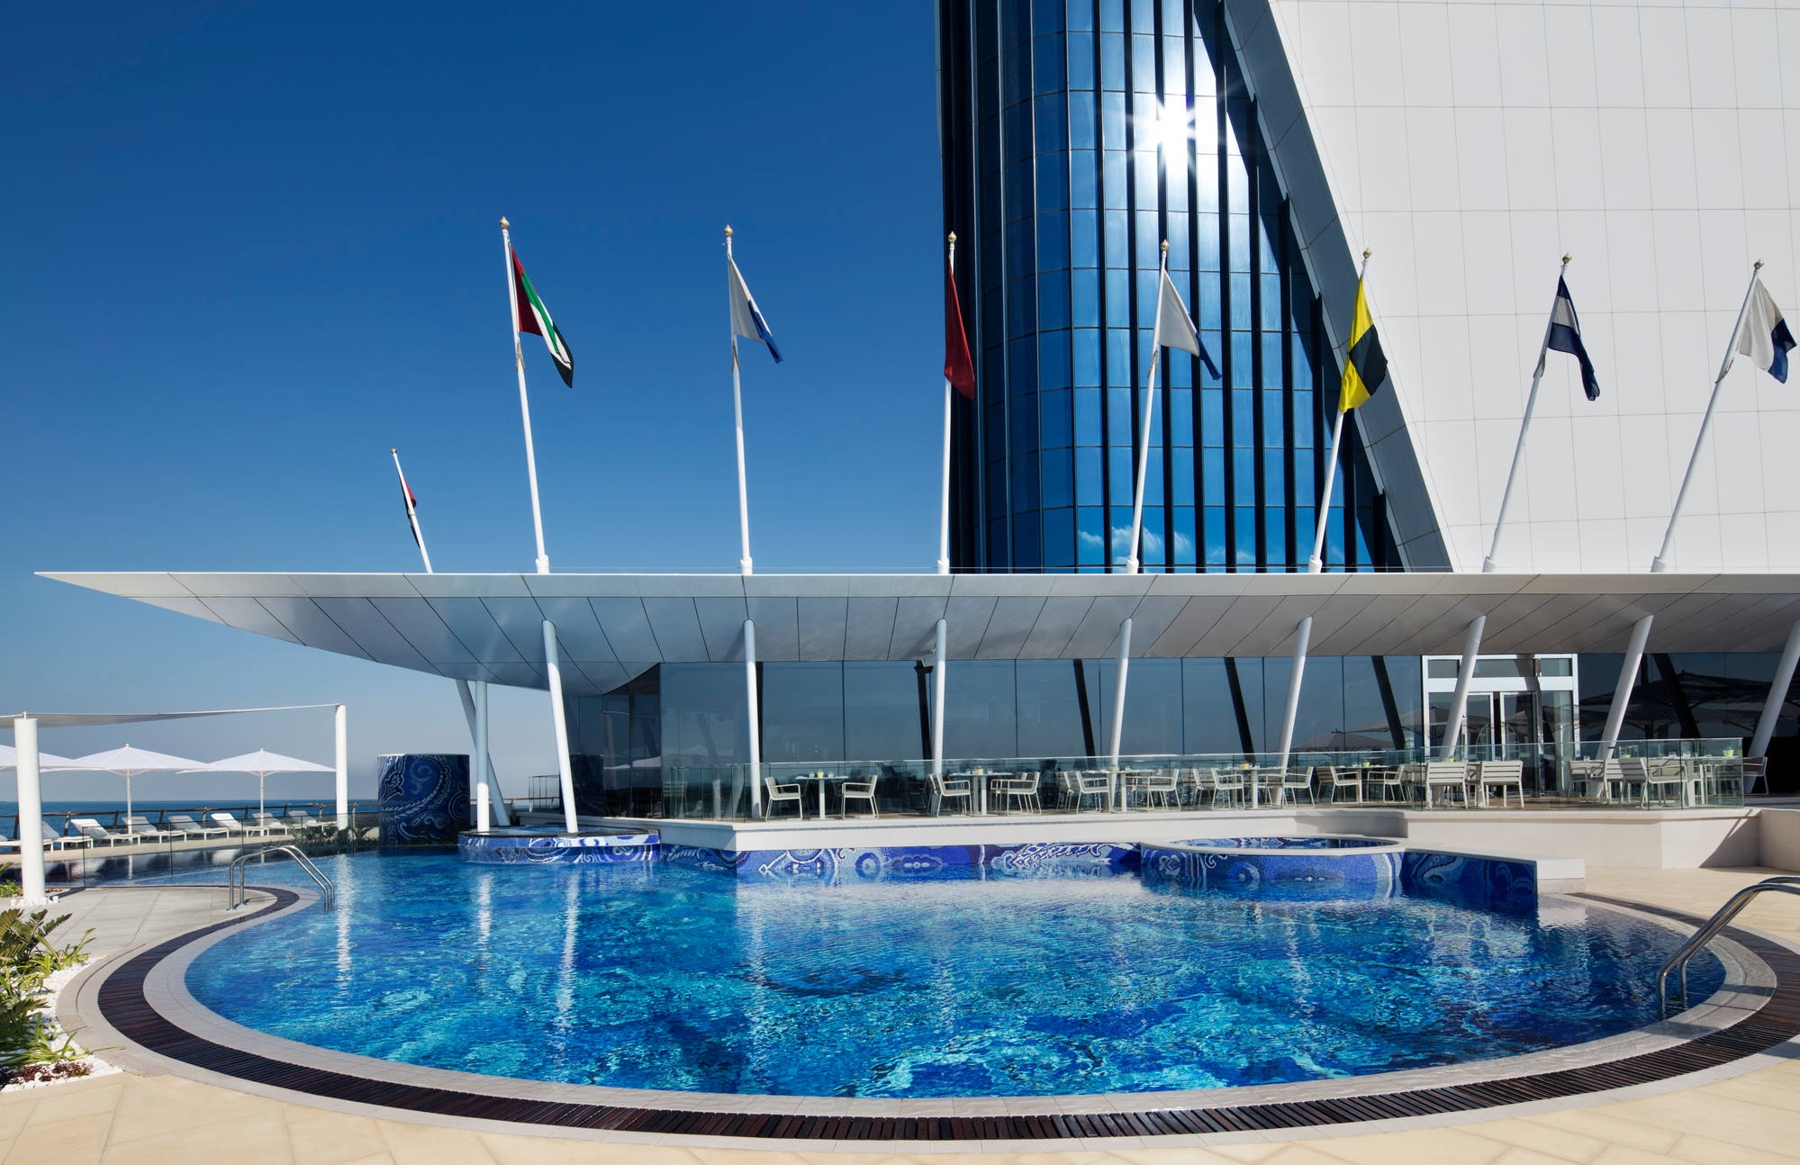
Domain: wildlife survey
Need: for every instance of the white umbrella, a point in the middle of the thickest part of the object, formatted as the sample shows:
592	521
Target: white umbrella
9	759
128	762
260	764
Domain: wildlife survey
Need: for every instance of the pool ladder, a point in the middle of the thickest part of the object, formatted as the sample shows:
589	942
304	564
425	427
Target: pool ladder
1784	883
237	891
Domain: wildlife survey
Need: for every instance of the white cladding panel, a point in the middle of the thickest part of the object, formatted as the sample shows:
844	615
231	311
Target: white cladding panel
1471	144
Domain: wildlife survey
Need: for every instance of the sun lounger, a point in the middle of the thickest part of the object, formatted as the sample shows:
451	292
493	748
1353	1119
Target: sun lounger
189	828
301	819
52	840
231	823
140	828
271	823
97	833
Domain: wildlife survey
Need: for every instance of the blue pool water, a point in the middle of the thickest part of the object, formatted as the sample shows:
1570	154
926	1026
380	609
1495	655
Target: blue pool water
655	976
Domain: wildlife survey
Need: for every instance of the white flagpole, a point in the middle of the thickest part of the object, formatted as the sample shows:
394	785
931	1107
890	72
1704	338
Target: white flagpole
1316	563
411	514
512	297
1537	376
944	518
737	405
1660	564
1137	494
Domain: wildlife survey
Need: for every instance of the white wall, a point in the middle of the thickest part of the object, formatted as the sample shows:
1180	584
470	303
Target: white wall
1470	144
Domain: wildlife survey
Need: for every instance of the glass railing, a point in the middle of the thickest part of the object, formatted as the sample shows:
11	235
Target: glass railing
1648	774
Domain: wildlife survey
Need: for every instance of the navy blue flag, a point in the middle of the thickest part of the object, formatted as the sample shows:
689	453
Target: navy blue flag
1565	336
1764	335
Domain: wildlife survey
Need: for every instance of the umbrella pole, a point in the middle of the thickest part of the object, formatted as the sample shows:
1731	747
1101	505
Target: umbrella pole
127	802
260	807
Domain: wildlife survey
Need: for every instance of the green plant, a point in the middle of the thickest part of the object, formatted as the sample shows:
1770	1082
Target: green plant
27	958
10	889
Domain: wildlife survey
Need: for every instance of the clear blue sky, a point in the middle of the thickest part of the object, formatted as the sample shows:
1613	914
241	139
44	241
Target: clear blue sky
251	246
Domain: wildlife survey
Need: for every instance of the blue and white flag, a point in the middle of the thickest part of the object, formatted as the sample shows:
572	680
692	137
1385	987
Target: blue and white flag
1764	336
746	320
1565	336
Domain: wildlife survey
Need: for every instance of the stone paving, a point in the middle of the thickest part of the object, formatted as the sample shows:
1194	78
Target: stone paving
144	1119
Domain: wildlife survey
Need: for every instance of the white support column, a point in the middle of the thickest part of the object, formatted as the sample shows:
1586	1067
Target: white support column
1118	708
1302	639
559	721
341	729
938	665
31	813
1778	689
1459	703
1634	655
751	704
484	812
496	795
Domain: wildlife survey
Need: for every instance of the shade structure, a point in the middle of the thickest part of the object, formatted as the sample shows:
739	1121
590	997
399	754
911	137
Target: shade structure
128	762
261	764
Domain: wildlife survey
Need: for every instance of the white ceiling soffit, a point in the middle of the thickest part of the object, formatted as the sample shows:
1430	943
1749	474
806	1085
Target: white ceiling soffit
613	627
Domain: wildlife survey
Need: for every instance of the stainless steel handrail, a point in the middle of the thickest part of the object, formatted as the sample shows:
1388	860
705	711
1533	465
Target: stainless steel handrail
237	891
1709	930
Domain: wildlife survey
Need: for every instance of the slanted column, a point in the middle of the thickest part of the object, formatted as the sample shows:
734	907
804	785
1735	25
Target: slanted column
750	703
938	664
1634	655
1778	689
1302	639
1459	703
341	728
559	722
1118	711
484	810
31	813
497	795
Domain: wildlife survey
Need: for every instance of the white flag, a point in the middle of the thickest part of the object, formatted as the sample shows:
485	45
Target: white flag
1764	336
746	320
1173	327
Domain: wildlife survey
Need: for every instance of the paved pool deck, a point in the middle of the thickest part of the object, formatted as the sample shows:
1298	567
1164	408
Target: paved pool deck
145	1117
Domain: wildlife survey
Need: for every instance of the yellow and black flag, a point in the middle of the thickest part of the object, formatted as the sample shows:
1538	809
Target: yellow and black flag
1364	366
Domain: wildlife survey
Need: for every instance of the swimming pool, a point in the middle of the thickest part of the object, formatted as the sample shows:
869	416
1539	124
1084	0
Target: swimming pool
662	977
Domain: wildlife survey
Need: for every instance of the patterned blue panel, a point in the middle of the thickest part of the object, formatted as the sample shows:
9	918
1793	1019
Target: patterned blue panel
549	849
1296	874
1041	859
719	861
1314	842
1481	883
424	798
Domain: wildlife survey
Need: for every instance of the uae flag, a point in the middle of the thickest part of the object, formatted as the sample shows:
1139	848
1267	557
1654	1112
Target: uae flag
534	317
412	504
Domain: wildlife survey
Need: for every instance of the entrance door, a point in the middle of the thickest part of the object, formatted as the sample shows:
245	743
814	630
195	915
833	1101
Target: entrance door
1519	707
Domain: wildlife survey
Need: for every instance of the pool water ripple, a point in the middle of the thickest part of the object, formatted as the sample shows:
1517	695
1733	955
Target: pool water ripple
661	977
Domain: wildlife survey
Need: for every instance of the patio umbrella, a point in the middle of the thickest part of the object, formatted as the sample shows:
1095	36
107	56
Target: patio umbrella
9	759
128	762
260	764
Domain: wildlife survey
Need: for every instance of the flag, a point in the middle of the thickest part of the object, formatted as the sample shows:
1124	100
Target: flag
1365	365
412	503
746	320
1764	336
959	368
1174	328
534	317
1565	336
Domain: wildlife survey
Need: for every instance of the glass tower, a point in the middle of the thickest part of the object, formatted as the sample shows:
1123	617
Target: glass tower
1077	135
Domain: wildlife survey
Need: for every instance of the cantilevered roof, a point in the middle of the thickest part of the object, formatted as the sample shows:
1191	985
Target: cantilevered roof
612	627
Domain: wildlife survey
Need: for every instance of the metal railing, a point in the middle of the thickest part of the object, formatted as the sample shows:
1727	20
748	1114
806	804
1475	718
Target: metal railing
1709	930
237	891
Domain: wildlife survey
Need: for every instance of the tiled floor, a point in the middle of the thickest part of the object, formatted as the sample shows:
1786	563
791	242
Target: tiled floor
146	1119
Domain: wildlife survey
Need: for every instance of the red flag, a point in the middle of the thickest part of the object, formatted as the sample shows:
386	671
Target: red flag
958	368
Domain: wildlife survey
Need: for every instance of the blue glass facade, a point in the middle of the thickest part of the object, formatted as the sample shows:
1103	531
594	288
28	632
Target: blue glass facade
1077	136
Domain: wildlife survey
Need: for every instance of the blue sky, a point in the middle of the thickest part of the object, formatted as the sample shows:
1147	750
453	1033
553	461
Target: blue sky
255	245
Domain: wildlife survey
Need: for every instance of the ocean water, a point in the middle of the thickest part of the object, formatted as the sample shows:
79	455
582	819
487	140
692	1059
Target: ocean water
652	976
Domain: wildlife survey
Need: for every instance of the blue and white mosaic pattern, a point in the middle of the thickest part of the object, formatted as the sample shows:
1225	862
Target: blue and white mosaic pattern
1476	882
424	797
1286	869
547	847
831	866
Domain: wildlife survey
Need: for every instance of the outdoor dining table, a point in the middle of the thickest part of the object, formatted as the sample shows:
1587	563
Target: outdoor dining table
978	781
823	779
